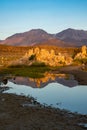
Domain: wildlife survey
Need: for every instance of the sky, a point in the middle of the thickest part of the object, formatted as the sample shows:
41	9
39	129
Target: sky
52	16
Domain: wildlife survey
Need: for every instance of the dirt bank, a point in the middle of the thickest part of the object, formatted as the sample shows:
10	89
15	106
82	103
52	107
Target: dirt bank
23	113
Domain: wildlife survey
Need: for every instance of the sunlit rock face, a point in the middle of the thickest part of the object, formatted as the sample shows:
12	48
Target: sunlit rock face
82	54
49	57
84	50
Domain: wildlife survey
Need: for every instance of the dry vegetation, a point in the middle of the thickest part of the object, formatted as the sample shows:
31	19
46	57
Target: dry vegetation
10	53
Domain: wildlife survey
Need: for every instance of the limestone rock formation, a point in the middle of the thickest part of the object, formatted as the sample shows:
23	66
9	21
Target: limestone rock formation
82	54
49	57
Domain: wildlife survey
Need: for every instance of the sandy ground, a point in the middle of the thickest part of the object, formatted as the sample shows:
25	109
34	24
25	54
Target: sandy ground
24	113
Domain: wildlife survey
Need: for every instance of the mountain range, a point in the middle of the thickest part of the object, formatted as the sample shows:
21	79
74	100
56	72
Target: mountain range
0	40
68	37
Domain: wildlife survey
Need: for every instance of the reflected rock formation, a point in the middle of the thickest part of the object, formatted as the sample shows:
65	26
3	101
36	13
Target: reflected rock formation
65	79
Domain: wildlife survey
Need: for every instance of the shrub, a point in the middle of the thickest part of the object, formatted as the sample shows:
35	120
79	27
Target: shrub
38	64
32	57
81	61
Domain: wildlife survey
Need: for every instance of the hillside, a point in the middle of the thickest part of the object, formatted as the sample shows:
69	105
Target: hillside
10	53
0	40
56	42
77	37
29	38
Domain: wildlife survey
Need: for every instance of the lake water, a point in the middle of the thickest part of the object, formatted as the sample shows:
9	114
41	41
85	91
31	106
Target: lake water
72	96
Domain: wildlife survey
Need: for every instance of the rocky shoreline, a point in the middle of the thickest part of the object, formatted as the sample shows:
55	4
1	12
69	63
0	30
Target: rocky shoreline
25	113
78	72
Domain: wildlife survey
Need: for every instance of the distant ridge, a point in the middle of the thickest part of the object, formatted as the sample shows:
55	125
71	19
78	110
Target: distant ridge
79	37
31	37
68	37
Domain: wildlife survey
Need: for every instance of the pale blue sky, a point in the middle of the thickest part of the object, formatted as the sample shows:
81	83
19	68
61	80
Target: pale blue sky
51	15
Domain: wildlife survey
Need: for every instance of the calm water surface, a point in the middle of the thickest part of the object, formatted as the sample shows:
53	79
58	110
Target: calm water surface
59	95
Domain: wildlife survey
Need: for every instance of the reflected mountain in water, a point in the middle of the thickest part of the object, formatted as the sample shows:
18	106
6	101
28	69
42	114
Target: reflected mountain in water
65	79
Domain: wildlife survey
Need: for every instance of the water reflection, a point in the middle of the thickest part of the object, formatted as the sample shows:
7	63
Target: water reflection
54	90
73	99
65	79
